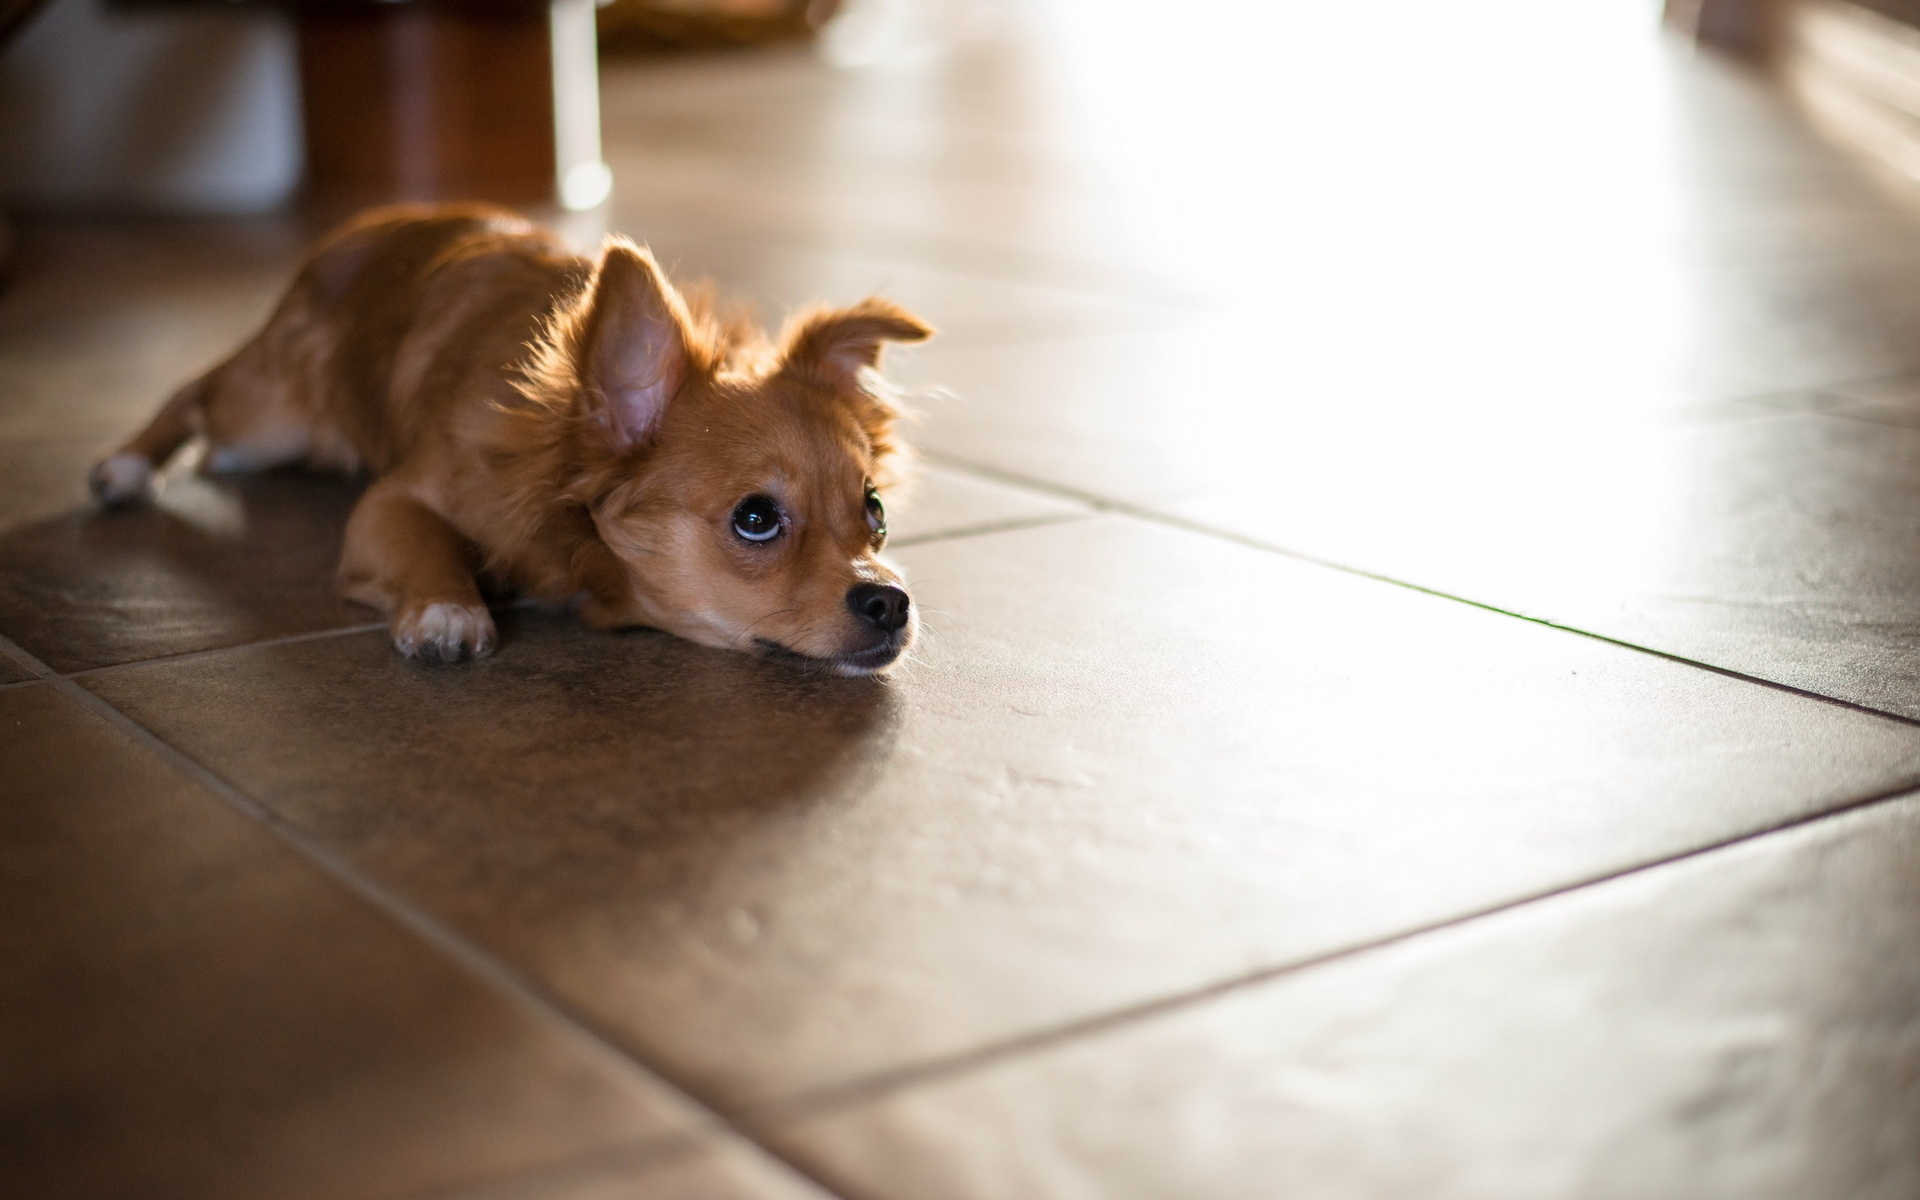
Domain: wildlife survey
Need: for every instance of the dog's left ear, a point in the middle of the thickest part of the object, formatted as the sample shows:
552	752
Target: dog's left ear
635	342
834	346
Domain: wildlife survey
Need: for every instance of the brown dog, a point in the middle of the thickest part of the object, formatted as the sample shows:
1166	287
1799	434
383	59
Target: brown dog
570	428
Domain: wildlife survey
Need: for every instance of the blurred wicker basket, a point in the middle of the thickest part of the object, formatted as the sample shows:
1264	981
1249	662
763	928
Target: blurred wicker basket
667	26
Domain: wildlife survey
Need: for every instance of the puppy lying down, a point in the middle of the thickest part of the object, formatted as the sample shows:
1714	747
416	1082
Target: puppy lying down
570	428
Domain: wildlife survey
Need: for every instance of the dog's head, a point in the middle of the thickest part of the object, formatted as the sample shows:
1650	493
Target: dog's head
740	490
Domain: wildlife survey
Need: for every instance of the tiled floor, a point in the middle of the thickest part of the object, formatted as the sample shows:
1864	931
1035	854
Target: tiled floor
1420	541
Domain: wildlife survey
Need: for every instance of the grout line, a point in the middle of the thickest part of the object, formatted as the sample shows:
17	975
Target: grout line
1007	526
709	1119
314	635
518	604
26	661
1868	418
1826	389
1141	513
853	1092
642	1156
1016	479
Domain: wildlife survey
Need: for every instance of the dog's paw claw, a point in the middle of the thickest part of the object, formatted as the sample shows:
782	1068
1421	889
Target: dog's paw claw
121	479
444	633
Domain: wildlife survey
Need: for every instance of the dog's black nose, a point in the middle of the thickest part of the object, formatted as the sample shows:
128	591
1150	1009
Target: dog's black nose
880	605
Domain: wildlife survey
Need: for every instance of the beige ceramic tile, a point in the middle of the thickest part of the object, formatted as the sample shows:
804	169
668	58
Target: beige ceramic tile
192	1009
1126	762
1739	1027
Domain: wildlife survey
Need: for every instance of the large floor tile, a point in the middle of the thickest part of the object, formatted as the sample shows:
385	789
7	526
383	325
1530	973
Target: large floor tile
1127	761
1741	1027
1768	536
192	1009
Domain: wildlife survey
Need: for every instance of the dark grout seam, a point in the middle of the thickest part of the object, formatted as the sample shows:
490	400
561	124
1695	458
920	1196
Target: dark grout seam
1153	516
40	671
314	635
1910	425
643	1156
1007	526
710	1121
852	1093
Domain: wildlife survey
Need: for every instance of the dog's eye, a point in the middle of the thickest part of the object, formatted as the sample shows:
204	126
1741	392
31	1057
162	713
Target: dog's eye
757	519
876	514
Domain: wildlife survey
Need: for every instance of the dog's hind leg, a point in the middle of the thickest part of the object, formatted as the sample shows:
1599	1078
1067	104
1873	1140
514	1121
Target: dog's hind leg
402	558
126	475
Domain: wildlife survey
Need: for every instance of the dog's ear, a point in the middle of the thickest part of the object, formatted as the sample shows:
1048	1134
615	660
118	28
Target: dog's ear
832	347
635	345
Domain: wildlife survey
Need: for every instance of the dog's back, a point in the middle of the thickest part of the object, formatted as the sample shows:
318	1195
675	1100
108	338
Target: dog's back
394	318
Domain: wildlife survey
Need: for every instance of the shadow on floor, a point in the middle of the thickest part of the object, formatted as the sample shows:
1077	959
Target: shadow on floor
215	563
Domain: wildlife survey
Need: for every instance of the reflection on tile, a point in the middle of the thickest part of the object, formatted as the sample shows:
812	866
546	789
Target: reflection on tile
1784	548
1128	761
215	563
194	1010
1155	418
1662	211
1757	536
966	309
1746	1025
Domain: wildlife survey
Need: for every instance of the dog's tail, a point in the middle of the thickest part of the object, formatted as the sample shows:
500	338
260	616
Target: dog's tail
126	475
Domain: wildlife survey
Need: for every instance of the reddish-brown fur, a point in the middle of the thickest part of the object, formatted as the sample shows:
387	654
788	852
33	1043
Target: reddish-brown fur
569	427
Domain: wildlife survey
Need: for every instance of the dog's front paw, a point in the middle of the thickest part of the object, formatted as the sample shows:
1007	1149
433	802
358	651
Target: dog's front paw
444	633
121	479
